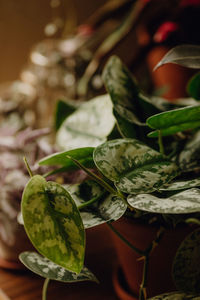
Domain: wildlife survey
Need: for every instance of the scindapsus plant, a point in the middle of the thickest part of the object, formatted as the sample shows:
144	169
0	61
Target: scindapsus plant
143	163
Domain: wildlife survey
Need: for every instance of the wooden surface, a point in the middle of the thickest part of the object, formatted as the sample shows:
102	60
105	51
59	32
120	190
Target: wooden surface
100	258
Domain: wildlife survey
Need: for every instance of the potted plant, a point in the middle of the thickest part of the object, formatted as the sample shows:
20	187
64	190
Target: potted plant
149	177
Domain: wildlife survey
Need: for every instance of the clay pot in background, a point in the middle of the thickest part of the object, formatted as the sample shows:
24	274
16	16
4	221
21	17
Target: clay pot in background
130	269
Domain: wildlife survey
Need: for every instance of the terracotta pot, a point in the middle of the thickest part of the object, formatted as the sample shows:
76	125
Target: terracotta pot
171	76
159	275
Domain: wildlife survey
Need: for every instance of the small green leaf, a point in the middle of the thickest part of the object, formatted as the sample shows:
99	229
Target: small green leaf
84	155
47	269
53	223
186	271
63	110
185	55
88	126
107	208
176	296
133	166
181	185
174	121
181	203
193	87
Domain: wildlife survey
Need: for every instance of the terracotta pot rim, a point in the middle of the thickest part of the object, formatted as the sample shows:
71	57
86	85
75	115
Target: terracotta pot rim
120	287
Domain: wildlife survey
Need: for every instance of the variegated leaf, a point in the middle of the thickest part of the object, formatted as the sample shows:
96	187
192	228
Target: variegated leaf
133	166
53	223
108	208
181	203
47	269
186	271
88	126
189	158
176	296
181	185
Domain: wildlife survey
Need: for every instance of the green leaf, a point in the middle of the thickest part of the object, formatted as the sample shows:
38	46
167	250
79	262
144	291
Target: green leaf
193	87
53	223
185	55
175	296
84	155
63	110
186	271
47	269
107	208
181	203
174	121
88	126
189	158
181	185
133	166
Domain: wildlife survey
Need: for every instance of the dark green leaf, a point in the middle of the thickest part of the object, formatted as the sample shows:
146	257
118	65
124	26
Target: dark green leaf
176	296
63	110
47	269
53	223
193	86
133	166
186	271
185	55
176	120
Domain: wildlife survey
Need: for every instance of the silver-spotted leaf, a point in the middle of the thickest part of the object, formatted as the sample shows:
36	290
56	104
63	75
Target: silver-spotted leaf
189	158
184	202
107	208
133	166
185	55
44	267
186	271
53	223
181	185
176	296
88	126
177	120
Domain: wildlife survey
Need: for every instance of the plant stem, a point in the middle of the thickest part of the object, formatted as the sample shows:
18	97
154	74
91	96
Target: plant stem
143	286
44	289
94	199
160	142
140	252
28	167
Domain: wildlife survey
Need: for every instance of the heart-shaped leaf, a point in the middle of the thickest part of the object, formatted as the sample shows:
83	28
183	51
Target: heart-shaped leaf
84	155
181	185
88	126
53	223
106	207
186	271
133	166
176	296
47	269
193	87
189	158
185	55
181	203
174	121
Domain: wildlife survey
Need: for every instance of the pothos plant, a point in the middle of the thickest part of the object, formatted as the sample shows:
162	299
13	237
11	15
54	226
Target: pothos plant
142	156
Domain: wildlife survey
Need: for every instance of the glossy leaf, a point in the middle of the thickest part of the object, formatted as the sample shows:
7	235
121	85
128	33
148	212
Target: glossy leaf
63	110
189	158
186	271
133	166
107	208
53	223
88	126
174	121
181	203
84	155
193	87
47	269
185	55
181	185
176	296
